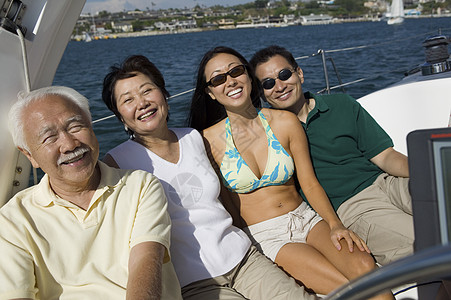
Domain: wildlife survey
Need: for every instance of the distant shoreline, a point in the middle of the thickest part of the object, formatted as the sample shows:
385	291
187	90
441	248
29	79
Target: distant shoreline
100	36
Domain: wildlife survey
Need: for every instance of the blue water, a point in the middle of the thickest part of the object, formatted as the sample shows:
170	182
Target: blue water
394	50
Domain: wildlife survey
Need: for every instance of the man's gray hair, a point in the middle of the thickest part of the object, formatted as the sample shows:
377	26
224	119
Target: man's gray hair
15	116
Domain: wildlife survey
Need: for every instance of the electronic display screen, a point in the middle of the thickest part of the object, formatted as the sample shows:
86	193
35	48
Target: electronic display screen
442	161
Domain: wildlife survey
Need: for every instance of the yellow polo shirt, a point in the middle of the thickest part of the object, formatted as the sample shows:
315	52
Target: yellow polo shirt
52	249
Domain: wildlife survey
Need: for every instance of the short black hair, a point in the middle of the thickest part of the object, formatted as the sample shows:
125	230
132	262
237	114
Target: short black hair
265	54
127	69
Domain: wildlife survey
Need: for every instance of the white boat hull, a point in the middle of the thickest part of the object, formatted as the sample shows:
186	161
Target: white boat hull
394	21
12	79
411	105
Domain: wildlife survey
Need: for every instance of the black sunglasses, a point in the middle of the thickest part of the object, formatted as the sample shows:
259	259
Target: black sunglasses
269	83
221	78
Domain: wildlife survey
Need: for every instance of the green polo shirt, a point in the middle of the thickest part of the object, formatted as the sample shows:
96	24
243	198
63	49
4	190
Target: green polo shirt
343	137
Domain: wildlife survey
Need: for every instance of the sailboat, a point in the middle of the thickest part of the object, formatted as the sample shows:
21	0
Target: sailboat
396	12
87	37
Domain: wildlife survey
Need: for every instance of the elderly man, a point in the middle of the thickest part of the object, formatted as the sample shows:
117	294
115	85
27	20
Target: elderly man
86	231
365	178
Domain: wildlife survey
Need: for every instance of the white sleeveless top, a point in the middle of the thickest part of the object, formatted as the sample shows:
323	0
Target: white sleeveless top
204	243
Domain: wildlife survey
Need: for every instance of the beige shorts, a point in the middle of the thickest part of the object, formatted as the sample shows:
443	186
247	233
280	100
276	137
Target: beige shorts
256	277
381	215
293	227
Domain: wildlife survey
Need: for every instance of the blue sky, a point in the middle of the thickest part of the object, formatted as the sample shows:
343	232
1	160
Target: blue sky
94	6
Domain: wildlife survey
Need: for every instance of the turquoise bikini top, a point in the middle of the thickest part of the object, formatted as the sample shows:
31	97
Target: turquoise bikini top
239	178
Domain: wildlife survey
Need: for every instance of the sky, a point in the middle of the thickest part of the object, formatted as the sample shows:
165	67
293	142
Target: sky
93	6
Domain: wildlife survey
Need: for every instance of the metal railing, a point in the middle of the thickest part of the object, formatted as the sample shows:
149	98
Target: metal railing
325	58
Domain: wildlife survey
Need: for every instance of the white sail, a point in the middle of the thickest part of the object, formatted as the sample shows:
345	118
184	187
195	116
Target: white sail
87	37
396	12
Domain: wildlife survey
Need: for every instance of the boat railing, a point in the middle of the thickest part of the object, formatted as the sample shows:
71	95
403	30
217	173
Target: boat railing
326	57
21	36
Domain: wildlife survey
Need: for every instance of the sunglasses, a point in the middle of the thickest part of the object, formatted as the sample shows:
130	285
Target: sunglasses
284	74
221	78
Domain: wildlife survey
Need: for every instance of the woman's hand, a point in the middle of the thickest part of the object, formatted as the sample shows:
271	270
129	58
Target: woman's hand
340	232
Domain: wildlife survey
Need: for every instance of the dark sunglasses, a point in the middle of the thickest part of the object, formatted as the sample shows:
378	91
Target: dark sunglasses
221	78
269	83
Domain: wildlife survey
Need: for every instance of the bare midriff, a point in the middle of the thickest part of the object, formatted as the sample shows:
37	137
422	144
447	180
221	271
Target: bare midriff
268	202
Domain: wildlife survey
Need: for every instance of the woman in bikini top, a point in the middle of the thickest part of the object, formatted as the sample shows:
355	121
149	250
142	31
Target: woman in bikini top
255	152
239	178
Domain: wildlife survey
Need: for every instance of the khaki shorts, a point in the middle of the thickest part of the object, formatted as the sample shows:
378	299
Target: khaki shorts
381	215
293	227
256	277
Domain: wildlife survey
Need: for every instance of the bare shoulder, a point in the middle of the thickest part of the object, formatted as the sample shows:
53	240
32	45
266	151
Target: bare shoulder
213	132
279	116
281	119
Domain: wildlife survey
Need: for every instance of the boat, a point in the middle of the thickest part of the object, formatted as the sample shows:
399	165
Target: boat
396	12
87	37
316	19
35	33
418	96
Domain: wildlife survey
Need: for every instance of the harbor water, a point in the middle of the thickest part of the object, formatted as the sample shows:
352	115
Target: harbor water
387	53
